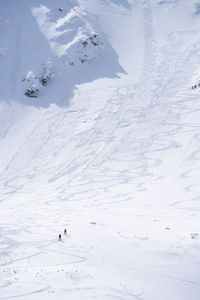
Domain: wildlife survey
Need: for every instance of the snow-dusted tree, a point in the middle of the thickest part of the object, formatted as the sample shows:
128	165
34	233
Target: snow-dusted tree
46	73
32	91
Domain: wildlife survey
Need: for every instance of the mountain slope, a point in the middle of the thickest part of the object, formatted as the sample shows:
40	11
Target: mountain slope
108	148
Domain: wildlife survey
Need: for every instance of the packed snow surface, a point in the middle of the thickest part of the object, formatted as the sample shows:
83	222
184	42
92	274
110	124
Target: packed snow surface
100	135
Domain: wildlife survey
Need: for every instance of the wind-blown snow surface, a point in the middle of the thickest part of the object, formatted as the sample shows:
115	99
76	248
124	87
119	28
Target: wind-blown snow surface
108	150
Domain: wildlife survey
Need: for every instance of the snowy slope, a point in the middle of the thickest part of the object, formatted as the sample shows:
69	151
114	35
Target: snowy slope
109	149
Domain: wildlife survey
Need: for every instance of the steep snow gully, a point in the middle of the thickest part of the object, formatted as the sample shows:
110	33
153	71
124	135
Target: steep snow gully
99	134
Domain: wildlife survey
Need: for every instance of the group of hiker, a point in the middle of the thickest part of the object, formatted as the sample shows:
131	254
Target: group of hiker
60	236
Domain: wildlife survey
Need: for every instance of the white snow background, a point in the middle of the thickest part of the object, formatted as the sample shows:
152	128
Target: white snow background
108	148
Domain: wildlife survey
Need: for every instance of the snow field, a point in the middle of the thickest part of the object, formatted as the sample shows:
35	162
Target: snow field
108	150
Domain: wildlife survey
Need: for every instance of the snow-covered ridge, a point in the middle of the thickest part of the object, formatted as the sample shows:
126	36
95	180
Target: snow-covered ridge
61	34
71	37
